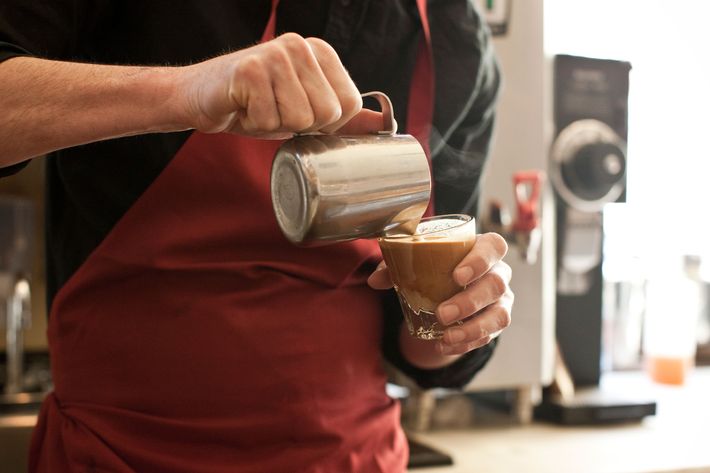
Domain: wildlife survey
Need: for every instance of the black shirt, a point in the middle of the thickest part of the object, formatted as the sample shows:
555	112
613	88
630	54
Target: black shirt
90	187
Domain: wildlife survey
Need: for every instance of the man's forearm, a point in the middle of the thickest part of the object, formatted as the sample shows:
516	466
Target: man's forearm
48	105
271	90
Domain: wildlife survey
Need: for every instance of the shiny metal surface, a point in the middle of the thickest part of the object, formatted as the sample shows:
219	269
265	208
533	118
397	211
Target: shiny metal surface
389	125
18	317
329	188
334	188
16	217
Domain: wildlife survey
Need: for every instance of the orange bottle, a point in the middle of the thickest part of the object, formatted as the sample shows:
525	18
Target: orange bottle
668	369
673	302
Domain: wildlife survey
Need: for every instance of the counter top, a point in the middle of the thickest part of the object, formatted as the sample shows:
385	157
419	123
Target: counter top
25	421
674	440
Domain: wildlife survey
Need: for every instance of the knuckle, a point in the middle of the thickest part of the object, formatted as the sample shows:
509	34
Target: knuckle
298	121
498	284
327	112
499	243
291	39
249	126
295	44
251	69
351	103
478	264
333	114
272	124
279	58
480	334
320	45
306	121
267	122
472	300
504	318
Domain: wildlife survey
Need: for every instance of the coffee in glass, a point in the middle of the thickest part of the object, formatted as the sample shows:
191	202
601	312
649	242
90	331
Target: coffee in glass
421	267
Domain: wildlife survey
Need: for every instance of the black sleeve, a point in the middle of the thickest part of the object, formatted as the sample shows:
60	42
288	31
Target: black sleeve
467	85
14	169
50	29
43	28
8	50
468	75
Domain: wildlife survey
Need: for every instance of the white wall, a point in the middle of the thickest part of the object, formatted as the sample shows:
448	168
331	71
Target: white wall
668	45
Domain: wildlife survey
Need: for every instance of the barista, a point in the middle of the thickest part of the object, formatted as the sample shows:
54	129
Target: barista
185	333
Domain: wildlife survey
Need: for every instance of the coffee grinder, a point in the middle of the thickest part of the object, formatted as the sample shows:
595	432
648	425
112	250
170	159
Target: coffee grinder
587	170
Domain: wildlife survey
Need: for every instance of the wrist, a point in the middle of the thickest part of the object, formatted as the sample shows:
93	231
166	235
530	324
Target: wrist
201	96
162	88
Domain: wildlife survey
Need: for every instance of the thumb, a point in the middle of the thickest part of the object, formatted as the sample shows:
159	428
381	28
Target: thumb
380	278
366	121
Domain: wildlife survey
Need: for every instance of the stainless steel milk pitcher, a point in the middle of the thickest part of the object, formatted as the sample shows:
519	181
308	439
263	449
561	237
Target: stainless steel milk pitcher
331	188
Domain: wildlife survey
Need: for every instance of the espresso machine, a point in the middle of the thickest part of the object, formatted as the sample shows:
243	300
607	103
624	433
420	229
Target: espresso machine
587	168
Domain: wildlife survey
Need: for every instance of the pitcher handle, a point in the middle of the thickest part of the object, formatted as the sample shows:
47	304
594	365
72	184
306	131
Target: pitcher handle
389	124
388	121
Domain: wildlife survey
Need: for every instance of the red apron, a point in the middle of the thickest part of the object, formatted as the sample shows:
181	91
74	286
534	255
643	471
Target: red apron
195	338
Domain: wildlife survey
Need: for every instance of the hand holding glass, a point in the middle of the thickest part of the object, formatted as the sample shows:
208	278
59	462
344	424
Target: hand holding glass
421	267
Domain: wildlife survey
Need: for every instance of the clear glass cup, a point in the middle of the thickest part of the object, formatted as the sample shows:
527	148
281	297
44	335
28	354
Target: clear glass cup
422	265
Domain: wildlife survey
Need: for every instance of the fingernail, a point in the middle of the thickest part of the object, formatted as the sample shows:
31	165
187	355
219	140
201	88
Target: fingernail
448	313
463	275
455	335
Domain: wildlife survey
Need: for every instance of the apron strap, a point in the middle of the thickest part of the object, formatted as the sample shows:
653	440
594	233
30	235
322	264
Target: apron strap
270	30
420	110
421	90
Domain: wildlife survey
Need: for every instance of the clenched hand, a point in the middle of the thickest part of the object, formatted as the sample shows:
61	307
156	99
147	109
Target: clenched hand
286	85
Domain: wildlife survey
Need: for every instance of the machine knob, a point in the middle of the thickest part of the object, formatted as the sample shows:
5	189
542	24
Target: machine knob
588	165
594	170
